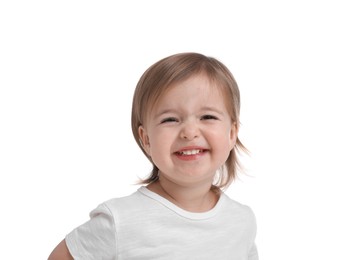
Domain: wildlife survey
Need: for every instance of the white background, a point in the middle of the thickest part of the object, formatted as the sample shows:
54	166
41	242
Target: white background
67	74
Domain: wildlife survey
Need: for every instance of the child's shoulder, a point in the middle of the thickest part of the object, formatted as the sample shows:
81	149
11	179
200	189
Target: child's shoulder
118	206
133	199
237	207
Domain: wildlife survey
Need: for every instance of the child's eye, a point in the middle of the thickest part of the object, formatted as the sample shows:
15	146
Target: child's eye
209	117
169	120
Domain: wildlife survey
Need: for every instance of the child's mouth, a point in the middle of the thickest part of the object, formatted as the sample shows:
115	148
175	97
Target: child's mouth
190	152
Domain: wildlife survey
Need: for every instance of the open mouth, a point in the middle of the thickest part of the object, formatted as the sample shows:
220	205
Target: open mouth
190	152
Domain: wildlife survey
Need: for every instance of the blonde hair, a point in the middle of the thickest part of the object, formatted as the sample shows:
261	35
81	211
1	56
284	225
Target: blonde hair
177	68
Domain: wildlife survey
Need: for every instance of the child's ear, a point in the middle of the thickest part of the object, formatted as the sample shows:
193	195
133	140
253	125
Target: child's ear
144	139
233	134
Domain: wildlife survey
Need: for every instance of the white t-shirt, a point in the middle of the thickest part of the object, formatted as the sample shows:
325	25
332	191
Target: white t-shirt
146	226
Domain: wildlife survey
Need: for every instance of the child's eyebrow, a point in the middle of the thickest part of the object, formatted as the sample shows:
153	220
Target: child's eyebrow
212	109
165	111
203	109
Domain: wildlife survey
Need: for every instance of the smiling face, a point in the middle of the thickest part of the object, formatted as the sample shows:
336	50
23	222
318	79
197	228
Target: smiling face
189	134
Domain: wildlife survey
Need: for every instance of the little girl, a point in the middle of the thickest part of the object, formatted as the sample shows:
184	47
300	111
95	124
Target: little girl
185	118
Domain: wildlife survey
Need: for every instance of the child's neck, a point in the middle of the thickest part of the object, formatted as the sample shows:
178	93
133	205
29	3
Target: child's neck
194	199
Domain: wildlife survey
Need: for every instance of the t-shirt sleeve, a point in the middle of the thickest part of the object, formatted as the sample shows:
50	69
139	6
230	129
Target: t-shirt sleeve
253	255
95	239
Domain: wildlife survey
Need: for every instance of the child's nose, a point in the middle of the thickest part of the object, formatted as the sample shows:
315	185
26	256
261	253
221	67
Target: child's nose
189	131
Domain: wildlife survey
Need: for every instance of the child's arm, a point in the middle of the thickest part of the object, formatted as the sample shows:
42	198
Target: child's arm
61	252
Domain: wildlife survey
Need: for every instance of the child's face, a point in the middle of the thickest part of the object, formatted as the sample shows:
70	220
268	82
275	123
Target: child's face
189	133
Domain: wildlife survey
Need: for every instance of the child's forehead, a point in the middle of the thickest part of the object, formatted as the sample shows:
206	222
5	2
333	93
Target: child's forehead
193	83
196	82
196	87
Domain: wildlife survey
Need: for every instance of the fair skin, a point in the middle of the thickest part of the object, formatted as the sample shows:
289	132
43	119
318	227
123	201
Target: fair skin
189	135
61	252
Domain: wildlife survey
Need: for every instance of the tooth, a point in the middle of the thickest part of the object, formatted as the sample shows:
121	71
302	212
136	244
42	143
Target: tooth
190	152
